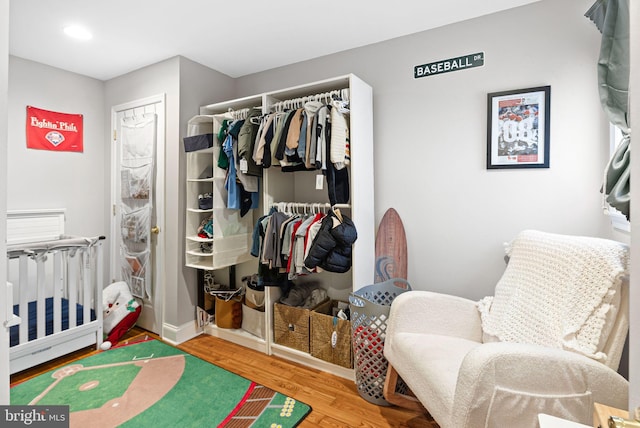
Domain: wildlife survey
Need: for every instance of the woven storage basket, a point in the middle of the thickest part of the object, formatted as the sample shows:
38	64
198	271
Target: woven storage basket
291	326
369	308
331	336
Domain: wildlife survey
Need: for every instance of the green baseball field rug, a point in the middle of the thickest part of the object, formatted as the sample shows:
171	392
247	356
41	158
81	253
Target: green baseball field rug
151	384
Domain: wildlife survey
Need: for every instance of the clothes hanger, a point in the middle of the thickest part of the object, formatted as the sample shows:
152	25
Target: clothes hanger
338	214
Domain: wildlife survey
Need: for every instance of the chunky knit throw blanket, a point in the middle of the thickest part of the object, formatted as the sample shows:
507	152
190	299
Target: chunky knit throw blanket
558	291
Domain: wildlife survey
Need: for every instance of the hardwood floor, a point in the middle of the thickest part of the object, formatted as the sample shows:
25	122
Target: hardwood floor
335	401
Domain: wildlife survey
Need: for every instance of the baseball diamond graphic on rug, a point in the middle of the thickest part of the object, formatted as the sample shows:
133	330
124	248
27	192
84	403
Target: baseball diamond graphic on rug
151	384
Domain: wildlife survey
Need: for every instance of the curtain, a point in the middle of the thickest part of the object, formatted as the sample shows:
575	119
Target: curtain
611	17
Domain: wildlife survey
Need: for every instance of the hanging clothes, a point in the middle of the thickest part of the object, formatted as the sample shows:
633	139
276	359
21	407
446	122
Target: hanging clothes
313	136
242	189
301	244
310	109
230	184
332	246
262	152
246	143
282	139
340	143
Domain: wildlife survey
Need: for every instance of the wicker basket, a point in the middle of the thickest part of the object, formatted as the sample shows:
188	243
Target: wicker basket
291	325
331	336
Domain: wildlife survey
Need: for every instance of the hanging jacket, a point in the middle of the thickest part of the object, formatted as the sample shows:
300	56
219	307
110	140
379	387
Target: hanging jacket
246	142
340	153
331	248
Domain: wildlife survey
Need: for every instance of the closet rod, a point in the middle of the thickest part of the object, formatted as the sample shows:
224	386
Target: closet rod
242	113
310	205
343	94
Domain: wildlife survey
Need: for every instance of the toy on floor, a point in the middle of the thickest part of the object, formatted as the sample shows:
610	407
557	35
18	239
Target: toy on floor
120	312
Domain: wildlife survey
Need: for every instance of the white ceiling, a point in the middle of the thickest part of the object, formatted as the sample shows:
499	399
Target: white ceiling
236	38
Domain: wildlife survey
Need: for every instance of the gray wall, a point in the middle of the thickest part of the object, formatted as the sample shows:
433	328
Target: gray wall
430	137
187	86
199	85
45	179
160	78
430	140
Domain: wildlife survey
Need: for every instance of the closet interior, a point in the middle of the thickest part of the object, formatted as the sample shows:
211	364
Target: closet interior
221	229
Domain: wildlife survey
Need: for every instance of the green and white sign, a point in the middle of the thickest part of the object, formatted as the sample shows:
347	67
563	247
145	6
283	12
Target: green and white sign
448	65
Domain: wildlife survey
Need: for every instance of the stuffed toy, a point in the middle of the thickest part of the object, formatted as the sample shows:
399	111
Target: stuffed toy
120	311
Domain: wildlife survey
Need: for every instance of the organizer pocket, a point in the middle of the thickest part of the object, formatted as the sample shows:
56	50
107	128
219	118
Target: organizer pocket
134	269
135	182
135	225
507	407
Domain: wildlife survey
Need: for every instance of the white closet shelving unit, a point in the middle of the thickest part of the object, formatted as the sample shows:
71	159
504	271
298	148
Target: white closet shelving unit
231	240
300	187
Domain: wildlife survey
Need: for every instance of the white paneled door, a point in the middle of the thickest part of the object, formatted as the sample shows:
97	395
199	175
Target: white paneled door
137	197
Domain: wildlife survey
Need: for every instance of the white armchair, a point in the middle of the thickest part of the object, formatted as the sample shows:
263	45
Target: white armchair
548	341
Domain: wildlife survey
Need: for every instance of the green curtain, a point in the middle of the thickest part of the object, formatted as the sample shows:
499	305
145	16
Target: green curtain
612	19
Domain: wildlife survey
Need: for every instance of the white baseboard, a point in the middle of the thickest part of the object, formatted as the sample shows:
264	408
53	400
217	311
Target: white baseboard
176	335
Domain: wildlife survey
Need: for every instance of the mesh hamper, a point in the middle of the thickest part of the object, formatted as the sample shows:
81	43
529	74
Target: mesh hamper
369	307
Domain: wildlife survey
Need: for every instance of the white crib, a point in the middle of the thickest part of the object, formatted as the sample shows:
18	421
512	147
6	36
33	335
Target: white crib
57	298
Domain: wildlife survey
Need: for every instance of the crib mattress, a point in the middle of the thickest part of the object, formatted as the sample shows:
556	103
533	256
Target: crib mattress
33	332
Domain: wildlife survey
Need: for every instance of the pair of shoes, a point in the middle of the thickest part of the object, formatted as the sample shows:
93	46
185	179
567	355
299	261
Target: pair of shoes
205	201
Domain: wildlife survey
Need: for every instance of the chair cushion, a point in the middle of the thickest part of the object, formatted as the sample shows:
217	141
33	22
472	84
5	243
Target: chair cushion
429	365
559	291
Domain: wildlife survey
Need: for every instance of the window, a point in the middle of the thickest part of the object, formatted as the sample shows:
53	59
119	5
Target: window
618	220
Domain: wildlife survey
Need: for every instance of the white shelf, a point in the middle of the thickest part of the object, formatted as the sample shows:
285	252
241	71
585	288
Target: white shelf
202	266
200	180
199	253
208	151
310	361
196	238
198	210
238	336
231	234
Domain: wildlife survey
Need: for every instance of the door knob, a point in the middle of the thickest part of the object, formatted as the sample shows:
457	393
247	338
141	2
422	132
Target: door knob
155	229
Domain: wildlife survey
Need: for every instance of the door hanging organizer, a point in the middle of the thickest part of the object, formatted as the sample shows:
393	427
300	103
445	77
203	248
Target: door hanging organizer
137	165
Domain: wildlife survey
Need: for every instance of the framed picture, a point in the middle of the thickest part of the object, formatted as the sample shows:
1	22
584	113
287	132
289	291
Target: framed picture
518	128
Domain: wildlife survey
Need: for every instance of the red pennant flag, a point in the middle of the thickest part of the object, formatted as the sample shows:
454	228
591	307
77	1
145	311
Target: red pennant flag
49	130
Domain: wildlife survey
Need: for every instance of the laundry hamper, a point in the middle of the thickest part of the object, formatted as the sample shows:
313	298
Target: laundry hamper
369	307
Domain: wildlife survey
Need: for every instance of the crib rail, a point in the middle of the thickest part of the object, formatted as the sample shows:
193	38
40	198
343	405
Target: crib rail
42	247
76	275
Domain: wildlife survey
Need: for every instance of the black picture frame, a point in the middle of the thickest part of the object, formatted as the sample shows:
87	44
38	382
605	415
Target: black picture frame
518	128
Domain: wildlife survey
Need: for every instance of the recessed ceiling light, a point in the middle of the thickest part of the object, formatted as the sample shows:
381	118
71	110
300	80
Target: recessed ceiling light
77	32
